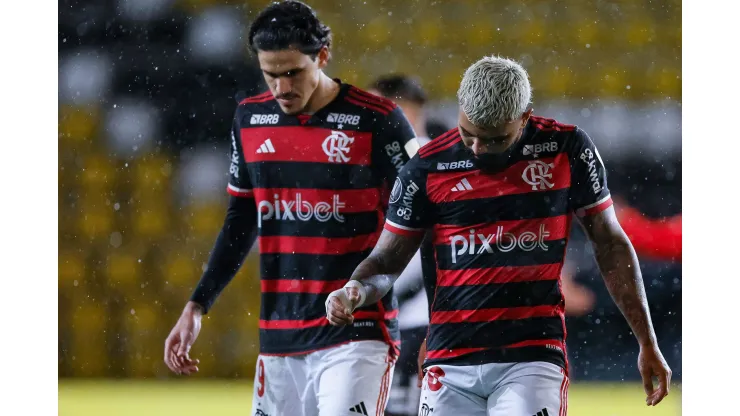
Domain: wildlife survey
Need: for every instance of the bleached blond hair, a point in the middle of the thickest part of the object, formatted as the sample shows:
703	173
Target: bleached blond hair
493	91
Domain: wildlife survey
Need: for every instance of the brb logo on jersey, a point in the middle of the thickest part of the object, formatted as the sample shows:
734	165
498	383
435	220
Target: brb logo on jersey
463	164
538	175
264	119
476	243
343	118
336	146
536	149
281	210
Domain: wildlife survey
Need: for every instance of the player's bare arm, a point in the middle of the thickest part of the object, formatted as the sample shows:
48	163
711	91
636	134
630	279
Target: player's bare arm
621	272
372	278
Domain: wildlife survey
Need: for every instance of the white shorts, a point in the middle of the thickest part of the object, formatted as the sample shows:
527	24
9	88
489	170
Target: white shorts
351	379
512	389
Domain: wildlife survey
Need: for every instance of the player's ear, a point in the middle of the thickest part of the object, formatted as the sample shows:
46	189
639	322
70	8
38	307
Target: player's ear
323	57
525	117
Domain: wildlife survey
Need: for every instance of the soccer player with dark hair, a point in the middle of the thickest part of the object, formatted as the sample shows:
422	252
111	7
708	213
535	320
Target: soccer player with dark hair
312	163
413	302
498	193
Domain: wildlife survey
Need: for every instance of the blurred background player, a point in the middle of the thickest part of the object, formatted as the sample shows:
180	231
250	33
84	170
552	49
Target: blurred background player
413	300
310	161
498	192
652	238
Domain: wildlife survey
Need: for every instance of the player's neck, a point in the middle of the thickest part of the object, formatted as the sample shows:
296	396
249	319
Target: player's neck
325	92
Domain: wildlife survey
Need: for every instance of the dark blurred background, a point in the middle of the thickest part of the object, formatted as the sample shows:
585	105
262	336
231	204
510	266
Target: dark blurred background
146	97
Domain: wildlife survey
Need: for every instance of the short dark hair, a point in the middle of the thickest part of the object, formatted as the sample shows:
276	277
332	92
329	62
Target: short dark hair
400	87
289	24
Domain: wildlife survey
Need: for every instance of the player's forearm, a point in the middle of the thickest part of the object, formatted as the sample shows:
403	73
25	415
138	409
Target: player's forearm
231	248
375	277
379	271
620	269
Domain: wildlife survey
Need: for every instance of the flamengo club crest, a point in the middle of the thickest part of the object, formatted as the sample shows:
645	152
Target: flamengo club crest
537	174
336	146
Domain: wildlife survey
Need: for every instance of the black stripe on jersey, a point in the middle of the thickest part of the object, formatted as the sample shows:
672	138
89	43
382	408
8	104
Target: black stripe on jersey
317	266
312	175
288	341
516	257
506	295
298	306
500	355
354	224
494	333
504	208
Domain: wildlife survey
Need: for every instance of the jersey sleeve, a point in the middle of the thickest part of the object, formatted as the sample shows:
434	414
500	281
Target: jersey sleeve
394	132
589	193
409	210
239	182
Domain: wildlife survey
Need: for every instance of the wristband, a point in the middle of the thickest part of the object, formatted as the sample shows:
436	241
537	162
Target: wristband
361	289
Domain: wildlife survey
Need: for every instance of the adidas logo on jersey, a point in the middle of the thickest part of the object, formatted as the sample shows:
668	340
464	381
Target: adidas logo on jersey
542	412
463	185
360	409
266	147
264	119
463	164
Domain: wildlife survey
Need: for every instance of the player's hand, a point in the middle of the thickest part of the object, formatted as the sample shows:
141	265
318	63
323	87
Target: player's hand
340	304
181	339
420	362
652	364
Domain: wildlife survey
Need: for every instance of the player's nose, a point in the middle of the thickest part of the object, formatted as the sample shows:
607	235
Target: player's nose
478	148
283	86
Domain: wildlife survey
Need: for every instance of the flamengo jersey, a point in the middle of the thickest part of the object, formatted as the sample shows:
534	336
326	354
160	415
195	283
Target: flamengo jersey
499	240
320	184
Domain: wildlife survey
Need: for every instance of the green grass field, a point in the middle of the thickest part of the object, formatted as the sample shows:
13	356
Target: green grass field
198	398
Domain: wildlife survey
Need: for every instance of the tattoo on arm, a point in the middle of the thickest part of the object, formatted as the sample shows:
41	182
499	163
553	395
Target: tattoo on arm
379	271
621	272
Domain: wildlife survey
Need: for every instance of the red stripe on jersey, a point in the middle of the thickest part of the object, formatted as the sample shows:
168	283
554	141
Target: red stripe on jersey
316	245
598	207
301	286
265	96
242	193
431	144
492	314
372	98
508	274
451	353
278	201
548	124
445	141
396	229
436	143
306	144
503	233
367	105
312	323
545	174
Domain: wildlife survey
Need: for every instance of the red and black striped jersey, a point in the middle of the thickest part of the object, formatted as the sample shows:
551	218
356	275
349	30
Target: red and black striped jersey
320	183
499	240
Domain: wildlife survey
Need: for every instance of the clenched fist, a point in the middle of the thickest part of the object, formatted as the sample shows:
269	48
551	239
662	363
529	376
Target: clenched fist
342	302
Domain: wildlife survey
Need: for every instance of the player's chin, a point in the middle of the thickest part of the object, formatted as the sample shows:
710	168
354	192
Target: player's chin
290	107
